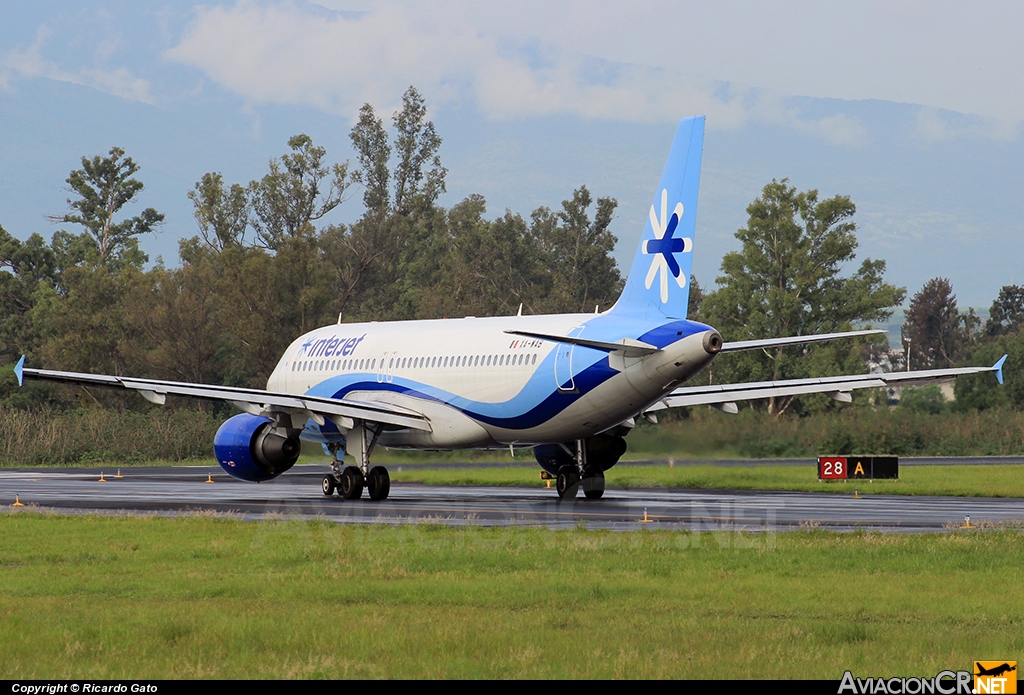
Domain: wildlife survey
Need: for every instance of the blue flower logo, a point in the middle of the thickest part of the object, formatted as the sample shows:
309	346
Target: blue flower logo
664	246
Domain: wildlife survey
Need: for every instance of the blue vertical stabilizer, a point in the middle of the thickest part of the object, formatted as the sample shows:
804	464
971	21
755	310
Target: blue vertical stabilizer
658	285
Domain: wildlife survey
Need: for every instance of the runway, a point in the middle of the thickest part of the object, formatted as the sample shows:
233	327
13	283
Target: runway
183	489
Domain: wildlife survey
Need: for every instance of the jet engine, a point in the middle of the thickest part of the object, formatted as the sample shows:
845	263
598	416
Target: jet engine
249	448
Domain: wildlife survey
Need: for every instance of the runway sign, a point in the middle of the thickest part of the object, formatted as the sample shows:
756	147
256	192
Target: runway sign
858	467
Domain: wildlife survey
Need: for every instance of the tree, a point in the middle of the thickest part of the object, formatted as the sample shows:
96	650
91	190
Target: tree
577	250
222	213
29	264
933	333
417	145
105	185
373	152
1007	312
401	217
298	190
695	300
786	280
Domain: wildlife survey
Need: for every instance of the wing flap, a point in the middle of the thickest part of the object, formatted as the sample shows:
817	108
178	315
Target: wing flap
728	393
248	400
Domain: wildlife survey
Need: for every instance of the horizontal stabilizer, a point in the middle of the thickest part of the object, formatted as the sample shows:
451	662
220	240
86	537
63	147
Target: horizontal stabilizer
739	345
627	346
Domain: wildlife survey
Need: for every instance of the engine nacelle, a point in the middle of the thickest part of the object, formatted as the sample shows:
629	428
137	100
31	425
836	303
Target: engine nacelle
247	447
603	451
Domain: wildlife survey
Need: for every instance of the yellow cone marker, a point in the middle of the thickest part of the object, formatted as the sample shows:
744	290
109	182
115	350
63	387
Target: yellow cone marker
209	477
17	501
102	479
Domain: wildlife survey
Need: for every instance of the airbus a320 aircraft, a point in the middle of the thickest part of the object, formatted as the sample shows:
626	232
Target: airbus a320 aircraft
568	385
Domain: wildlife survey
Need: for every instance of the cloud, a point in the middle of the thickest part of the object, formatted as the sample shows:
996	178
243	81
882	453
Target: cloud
29	63
289	53
285	53
938	125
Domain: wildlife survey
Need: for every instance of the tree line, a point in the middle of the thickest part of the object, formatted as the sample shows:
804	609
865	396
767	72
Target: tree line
265	267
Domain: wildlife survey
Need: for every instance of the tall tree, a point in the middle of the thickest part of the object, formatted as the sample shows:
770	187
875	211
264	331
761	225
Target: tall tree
29	264
104	185
222	213
388	241
1007	312
785	280
299	189
933	329
578	252
373	151
417	145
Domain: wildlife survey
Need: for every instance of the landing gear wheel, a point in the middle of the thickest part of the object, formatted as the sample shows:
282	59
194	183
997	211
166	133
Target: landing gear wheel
593	485
378	483
329	485
351	485
567	483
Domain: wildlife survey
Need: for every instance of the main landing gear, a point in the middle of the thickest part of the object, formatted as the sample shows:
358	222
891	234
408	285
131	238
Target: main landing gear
571	477
349	481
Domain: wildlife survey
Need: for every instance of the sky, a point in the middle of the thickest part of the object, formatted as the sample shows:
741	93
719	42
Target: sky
913	109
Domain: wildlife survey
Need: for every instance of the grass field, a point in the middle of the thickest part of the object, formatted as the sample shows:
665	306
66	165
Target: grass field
204	597
969	481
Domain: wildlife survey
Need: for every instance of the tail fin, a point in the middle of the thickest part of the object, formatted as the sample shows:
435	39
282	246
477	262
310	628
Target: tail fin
659	280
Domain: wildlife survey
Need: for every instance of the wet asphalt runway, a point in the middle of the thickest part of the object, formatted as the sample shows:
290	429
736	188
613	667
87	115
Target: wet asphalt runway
183	489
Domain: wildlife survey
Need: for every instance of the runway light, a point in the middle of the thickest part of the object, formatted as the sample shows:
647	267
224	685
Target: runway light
646	520
102	479
209	477
967	521
118	474
17	501
856	494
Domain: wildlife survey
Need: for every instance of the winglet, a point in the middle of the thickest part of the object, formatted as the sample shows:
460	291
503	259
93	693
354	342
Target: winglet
19	371
998	369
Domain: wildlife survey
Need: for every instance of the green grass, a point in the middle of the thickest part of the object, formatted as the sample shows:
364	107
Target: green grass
962	481
203	597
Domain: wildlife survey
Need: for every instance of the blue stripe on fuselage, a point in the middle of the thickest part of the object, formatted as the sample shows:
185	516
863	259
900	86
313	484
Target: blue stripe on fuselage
538	401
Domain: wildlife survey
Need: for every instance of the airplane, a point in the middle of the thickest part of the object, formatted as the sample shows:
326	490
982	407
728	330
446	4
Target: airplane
570	386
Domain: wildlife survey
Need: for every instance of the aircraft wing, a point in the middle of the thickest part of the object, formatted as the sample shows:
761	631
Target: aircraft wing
739	345
725	396
254	401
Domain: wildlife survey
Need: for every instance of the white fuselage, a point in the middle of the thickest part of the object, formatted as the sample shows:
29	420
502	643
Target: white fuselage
480	386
